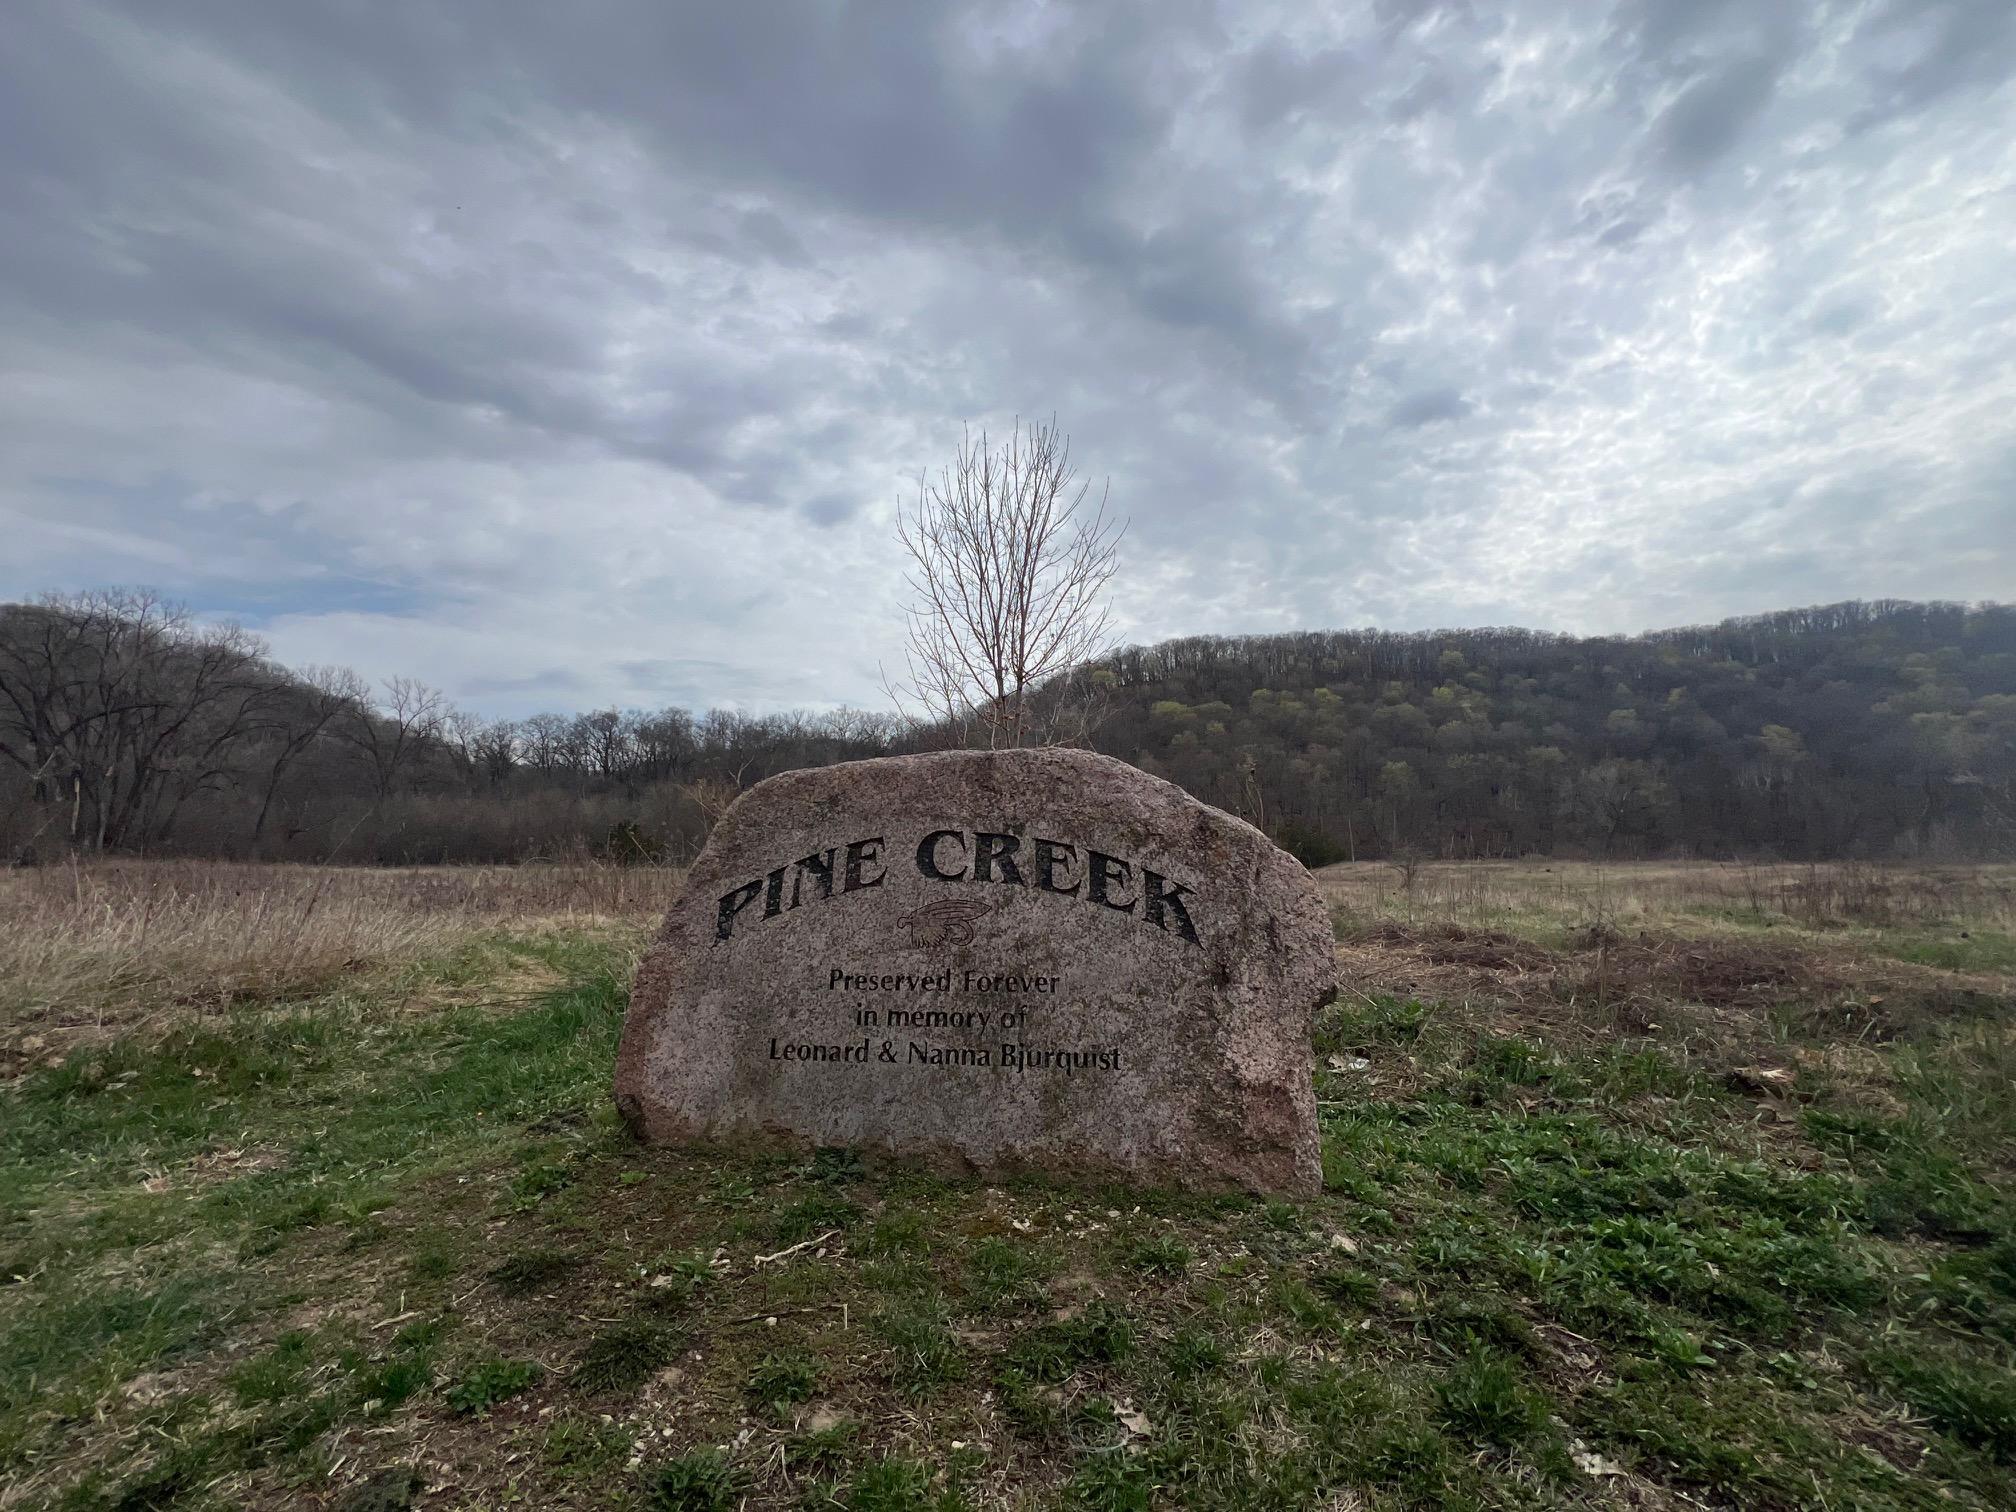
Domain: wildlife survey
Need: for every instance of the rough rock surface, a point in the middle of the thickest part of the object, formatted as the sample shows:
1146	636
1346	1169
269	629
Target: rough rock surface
990	962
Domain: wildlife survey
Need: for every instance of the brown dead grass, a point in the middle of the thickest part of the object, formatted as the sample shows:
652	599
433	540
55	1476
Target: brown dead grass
120	946
1592	951
1814	896
1723	990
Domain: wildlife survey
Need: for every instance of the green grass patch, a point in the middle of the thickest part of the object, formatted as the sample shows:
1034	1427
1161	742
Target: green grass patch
1967	1394
1983	950
924	1353
706	1481
1163	1255
349	1222
781	1379
488	1382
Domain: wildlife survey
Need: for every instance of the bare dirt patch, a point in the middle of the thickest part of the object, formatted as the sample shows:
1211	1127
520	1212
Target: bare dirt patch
1444	944
1453	962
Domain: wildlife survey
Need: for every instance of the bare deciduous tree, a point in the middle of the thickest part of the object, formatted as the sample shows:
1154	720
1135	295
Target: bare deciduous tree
1009	571
486	751
315	698
121	707
390	737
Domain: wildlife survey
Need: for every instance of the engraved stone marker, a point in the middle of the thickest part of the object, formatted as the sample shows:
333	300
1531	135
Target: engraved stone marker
989	961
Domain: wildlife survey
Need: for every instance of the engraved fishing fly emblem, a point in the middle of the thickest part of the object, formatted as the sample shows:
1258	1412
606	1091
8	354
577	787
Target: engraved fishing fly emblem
949	922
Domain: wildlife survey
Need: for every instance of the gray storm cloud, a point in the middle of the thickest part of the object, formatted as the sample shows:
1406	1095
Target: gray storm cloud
577	355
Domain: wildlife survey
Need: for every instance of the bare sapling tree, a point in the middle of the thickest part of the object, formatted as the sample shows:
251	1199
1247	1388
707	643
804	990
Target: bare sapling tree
1009	570
712	796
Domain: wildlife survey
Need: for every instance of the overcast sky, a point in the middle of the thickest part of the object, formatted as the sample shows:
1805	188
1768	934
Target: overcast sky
568	355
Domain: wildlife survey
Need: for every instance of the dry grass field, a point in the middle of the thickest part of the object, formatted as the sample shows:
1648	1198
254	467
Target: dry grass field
1660	1186
122	945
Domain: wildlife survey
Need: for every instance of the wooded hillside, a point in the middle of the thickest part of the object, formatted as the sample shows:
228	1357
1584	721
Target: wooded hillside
1860	729
1871	729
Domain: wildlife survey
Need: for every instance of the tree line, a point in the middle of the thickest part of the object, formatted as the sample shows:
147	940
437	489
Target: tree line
1859	729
